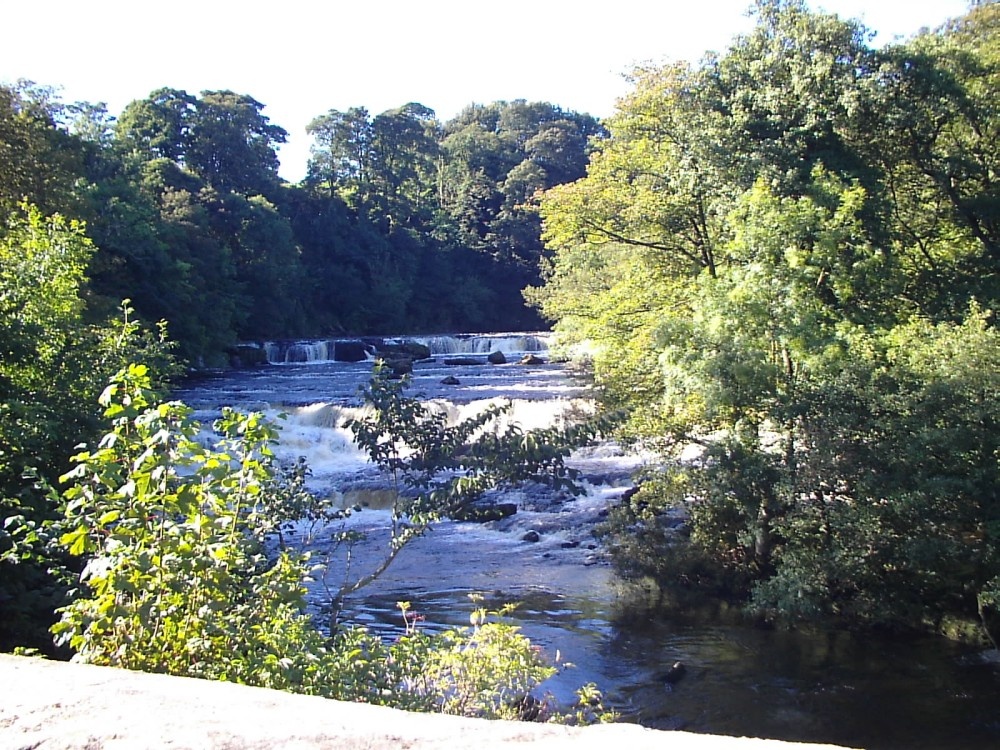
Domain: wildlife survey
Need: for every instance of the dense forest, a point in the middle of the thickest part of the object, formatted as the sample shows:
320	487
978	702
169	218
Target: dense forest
403	224
784	255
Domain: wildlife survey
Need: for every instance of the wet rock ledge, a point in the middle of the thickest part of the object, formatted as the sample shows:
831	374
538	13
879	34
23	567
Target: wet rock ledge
48	705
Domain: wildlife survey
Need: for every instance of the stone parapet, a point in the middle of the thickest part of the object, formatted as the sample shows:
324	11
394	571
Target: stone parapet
47	705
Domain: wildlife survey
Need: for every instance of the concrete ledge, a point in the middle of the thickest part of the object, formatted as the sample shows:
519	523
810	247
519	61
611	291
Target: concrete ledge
46	705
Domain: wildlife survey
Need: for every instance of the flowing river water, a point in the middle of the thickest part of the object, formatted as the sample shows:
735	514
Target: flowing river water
822	686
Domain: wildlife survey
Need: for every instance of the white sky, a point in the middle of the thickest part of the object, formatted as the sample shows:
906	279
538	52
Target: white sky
302	58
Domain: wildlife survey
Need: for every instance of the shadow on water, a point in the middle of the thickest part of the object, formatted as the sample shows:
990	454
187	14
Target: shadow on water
831	687
822	686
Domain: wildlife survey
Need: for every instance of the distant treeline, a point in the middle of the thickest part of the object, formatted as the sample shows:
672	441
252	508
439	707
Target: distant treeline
403	223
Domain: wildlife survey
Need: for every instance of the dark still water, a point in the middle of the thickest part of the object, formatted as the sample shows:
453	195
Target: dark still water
833	687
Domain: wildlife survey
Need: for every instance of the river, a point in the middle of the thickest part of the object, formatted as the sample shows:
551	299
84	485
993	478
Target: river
821	686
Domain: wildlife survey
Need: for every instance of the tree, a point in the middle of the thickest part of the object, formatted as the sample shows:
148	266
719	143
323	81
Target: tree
223	137
454	204
341	152
767	271
208	167
266	263
405	153
207	303
383	165
39	161
232	144
930	113
158	127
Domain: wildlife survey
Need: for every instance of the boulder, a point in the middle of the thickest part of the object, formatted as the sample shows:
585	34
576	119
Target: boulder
496	358
398	366
458	361
484	513
450	380
531	359
989	615
61	705
675	673
247	355
351	351
531	536
410	349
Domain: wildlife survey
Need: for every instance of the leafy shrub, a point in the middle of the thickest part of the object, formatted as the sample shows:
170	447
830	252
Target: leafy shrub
56	358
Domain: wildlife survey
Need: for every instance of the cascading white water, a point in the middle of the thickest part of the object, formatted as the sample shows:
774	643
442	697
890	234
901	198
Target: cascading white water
508	343
326	350
319	432
299	351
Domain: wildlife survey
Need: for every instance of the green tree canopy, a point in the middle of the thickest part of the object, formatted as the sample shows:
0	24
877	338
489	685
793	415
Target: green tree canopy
766	255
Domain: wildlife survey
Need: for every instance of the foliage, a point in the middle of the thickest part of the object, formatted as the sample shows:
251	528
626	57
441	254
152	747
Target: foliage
490	671
38	162
168	555
51	371
917	513
785	256
487	670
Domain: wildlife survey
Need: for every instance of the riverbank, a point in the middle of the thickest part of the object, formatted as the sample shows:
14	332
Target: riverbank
49	705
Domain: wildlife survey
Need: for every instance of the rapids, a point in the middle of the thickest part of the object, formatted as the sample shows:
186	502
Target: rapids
823	686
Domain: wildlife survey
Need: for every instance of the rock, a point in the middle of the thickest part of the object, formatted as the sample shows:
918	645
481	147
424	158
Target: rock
570	545
351	351
459	361
61	705
450	380
531	359
675	673
398	366
529	708
484	513
410	349
496	358
628	494
989	615
247	355
531	536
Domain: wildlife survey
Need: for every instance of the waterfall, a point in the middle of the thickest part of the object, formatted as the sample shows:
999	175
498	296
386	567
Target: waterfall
508	343
354	349
282	352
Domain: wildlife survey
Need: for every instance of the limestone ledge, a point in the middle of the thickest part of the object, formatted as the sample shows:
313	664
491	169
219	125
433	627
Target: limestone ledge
46	705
